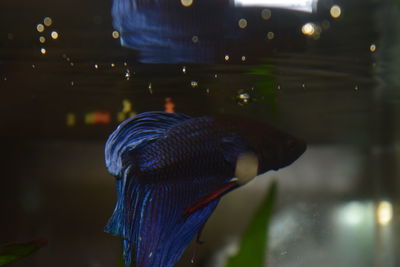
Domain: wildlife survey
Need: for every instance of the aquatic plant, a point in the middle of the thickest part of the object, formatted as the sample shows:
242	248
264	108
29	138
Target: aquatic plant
253	244
14	251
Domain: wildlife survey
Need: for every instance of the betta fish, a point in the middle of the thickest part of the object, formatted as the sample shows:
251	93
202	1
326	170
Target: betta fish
171	171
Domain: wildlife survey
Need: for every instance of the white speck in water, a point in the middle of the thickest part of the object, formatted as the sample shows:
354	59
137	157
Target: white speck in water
303	85
194	84
226	57
96	66
33	66
72	83
184	69
72	64
208	91
112	65
195	39
127	74
151	254
5	79
270	35
243	98
125	64
215	76
372	48
243	58
279	87
356	87
150	89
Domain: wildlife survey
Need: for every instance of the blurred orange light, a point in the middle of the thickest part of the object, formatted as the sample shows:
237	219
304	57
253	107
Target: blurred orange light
97	117
169	105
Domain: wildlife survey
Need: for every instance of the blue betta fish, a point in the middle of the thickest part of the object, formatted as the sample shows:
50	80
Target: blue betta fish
171	171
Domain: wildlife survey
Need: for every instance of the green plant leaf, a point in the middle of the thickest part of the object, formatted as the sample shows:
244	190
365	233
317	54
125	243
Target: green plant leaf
15	251
265	85
253	244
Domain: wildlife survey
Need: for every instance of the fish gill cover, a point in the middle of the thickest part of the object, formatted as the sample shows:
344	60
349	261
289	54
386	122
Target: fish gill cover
171	170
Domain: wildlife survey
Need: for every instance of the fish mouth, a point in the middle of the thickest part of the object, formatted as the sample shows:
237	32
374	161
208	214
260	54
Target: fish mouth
289	153
295	150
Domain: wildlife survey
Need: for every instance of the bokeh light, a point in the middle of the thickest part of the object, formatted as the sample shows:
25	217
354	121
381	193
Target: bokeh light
242	23
308	29
40	27
97	117
169	105
195	39
43	51
47	21
384	212
54	35
115	34
42	39
266	14
186	3
121	116
70	119
126	106
335	11
372	47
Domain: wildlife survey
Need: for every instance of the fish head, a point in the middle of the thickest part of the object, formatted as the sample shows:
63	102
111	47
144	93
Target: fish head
277	150
274	149
288	150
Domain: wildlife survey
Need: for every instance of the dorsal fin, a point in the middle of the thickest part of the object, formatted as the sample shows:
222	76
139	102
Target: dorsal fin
136	132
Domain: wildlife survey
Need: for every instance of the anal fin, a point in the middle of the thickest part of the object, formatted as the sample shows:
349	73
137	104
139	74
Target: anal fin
219	192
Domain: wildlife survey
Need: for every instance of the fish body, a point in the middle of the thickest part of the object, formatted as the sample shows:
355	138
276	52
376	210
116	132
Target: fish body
171	170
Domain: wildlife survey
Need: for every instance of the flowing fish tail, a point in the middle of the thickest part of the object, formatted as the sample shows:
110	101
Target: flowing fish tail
150	217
